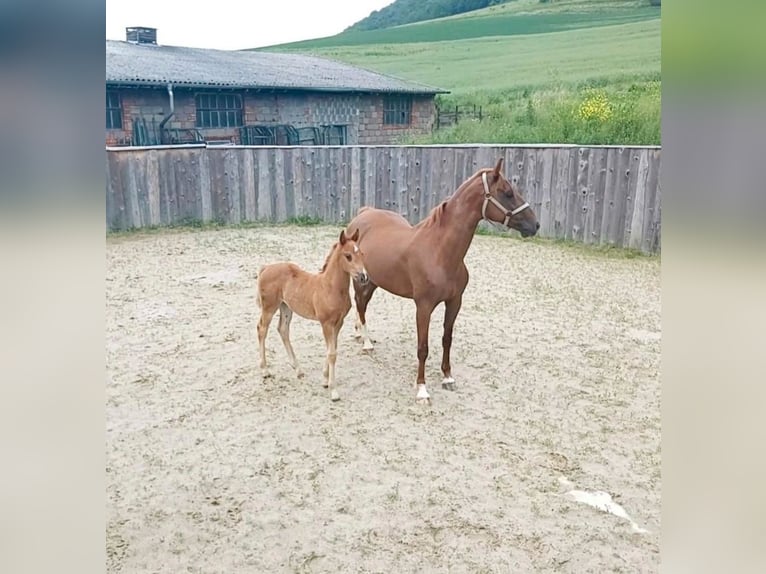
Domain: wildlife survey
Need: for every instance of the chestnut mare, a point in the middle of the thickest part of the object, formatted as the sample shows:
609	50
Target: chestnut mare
425	262
323	297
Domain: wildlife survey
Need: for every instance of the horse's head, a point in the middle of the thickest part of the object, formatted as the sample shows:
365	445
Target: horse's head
504	204
352	258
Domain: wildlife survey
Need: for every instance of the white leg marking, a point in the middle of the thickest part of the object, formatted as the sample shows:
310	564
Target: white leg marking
448	380
422	392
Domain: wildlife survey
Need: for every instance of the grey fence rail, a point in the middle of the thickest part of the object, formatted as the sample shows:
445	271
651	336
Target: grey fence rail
598	195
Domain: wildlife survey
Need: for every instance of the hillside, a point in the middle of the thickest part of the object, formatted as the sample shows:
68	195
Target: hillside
408	11
517	17
538	69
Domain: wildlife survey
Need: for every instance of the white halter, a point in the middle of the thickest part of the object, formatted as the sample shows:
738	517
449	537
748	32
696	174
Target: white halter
488	197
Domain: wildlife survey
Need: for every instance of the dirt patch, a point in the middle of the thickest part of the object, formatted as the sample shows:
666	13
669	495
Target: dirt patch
556	355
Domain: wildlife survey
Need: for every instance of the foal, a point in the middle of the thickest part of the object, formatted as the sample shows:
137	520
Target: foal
322	297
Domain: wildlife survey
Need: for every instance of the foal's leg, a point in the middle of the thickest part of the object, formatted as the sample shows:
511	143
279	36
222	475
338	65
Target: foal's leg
362	296
263	328
424	310
330	331
451	309
285	316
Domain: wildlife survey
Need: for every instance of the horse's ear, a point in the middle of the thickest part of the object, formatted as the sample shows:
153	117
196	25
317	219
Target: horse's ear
498	167
342	236
355	236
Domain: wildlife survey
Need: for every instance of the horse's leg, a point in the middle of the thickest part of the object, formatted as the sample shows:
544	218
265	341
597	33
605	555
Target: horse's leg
362	296
330	331
451	309
424	310
285	316
267	314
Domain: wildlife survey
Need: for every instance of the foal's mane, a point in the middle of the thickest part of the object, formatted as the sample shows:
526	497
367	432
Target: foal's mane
327	259
435	216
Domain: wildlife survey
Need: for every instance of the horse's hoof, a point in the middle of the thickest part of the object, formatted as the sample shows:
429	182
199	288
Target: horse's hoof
426	401
368	348
448	384
334	396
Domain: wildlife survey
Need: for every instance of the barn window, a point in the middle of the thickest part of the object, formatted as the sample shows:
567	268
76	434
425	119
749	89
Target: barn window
397	110
219	110
335	135
113	110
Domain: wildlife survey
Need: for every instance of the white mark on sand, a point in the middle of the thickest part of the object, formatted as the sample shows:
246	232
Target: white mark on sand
600	500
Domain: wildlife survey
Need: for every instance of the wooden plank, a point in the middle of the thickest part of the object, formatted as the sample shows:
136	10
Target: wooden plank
133	210
299	177
570	193
610	191
545	216
531	189
164	173
405	185
420	177
614	229
415	184
186	179
654	242
559	193
595	203
377	166
205	199
652	183
249	186
447	186
118	219
355	182
279	185
263	192
624	229
288	176
232	185
334	180
315	192
634	231
578	205
518	171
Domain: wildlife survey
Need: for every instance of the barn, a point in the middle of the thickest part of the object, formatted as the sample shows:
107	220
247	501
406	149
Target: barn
159	94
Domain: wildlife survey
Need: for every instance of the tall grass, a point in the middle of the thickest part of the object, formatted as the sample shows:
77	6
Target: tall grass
621	111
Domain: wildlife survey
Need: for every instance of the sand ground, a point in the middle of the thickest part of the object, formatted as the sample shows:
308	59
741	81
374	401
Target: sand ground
556	355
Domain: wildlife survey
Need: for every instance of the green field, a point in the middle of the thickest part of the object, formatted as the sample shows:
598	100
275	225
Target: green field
537	81
460	27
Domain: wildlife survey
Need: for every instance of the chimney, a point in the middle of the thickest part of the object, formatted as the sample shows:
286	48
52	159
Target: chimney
141	35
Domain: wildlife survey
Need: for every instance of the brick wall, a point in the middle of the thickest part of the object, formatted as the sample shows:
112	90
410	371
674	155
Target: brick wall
362	113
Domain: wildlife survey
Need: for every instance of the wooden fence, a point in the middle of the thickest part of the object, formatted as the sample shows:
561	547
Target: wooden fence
598	195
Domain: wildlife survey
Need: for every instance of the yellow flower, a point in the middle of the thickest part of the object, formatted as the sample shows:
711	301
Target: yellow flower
596	106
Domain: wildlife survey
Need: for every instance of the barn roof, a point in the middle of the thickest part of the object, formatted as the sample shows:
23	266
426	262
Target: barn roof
150	64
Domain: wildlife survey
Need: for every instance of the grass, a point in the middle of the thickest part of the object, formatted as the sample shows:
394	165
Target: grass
606	250
190	224
616	111
504	63
510	19
610	251
531	86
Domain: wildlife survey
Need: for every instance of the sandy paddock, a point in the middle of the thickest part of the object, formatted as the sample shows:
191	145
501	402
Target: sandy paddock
209	469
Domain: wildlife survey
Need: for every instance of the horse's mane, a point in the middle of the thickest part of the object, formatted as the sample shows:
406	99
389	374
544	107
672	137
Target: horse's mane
327	259
435	216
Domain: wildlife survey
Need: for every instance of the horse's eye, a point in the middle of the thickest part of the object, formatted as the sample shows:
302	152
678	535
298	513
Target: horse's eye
348	257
